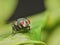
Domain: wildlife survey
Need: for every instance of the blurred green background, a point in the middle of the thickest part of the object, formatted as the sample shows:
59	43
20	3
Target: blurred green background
7	8
44	26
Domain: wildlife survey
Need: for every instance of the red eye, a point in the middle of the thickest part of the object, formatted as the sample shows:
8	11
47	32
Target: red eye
21	23
28	21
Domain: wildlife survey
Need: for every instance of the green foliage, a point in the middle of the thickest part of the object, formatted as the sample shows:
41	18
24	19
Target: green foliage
44	25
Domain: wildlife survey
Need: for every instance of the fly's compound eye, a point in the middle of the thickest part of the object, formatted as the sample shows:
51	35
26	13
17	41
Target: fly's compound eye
22	23
28	21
